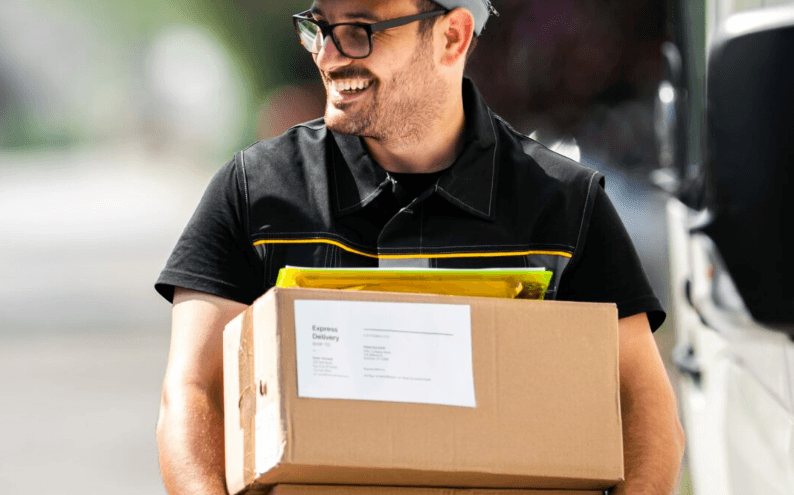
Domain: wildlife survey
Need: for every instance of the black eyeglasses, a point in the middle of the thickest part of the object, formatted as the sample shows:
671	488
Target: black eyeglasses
352	39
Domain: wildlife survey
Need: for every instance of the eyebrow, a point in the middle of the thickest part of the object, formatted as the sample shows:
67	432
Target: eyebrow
363	14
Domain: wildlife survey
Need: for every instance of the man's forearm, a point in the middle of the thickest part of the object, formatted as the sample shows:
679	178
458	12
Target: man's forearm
190	441
653	442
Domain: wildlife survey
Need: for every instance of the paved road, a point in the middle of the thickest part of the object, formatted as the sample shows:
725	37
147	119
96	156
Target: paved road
83	335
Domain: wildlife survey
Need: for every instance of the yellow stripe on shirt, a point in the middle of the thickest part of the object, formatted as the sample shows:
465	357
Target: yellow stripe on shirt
411	256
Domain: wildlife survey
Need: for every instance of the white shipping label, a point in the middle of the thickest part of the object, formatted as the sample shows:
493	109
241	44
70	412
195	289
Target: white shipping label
398	352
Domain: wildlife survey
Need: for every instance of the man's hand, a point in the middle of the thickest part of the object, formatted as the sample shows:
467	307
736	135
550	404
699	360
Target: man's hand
653	440
190	427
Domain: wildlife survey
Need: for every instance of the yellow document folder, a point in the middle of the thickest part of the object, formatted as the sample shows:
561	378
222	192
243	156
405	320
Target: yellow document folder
523	283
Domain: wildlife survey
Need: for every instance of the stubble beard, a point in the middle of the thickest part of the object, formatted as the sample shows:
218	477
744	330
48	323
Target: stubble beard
399	112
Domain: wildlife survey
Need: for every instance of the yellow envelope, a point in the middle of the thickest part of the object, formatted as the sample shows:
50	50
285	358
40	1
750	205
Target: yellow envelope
528	283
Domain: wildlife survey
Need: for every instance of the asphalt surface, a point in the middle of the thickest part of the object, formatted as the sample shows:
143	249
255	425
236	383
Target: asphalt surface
83	335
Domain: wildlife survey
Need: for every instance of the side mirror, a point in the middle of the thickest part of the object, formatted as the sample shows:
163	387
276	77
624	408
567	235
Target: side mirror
750	157
669	122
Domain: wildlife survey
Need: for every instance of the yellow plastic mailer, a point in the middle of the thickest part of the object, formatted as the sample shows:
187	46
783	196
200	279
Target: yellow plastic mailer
527	283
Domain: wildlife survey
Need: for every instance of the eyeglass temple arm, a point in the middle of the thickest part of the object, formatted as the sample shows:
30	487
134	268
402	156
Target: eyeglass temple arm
392	23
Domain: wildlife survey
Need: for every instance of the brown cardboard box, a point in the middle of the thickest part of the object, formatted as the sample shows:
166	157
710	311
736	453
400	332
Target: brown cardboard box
545	381
392	490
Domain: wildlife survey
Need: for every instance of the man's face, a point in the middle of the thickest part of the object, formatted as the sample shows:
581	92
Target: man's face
394	93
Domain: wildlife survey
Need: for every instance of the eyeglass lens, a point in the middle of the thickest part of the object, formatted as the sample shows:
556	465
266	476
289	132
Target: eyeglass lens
352	40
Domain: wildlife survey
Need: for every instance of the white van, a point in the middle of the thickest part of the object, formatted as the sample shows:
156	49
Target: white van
731	235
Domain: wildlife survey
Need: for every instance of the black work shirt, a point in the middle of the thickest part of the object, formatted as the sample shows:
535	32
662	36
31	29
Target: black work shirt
315	198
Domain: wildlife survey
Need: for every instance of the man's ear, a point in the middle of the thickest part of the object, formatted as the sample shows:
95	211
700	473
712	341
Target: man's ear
458	26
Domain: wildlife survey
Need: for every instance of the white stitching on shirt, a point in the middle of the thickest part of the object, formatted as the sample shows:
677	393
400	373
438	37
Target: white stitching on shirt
586	201
245	194
456	200
493	174
493	165
336	181
376	191
510	127
338	195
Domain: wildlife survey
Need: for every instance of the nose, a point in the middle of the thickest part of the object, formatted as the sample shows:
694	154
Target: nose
329	57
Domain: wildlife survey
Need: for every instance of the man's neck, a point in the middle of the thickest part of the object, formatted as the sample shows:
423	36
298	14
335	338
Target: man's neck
435	150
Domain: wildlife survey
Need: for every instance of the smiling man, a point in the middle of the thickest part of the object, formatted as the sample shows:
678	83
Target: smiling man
383	82
408	167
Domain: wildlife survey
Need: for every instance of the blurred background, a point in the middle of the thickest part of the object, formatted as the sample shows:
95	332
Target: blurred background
113	117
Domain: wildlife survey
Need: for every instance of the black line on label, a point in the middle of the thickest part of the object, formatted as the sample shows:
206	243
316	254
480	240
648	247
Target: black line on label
407	331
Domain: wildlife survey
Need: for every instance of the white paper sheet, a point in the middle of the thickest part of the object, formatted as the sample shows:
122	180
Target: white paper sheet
398	352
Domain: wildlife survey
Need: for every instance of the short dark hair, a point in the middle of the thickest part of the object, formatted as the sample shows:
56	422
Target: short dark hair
426	25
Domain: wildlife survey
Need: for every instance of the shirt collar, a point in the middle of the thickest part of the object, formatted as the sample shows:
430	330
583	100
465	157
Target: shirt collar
356	178
470	183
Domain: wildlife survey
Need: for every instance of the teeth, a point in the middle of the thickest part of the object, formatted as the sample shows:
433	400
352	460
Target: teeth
350	84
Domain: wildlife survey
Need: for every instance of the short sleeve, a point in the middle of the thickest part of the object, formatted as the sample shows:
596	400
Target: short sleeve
609	269
214	253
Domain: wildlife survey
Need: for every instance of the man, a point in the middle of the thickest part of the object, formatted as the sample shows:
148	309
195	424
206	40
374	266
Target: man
408	167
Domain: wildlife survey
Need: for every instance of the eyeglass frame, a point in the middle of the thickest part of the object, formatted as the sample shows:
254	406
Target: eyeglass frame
328	29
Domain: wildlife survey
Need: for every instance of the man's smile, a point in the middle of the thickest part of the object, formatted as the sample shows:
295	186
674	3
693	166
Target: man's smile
347	89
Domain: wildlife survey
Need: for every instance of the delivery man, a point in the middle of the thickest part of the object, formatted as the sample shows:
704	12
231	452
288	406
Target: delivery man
408	167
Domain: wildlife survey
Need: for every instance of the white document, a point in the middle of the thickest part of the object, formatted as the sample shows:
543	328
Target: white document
398	352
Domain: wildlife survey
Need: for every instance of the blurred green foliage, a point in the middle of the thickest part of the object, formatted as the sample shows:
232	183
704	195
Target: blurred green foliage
256	34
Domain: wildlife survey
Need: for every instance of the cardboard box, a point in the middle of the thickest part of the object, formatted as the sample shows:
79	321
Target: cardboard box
546	398
392	490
